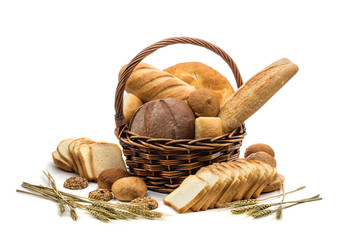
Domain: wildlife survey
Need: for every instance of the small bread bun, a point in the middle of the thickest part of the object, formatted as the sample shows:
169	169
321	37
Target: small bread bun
204	103
131	104
109	176
259	147
208	127
262	156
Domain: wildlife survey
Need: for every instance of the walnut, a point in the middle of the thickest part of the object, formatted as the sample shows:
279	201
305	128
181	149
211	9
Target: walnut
76	183
146	202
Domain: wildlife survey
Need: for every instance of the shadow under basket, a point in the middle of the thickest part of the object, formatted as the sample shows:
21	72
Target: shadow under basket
164	163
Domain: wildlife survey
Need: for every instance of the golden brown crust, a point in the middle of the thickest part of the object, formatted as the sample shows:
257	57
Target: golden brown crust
258	147
255	93
149	83
202	76
204	103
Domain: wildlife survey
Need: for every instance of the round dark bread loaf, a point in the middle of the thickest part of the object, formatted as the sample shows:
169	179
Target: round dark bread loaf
168	118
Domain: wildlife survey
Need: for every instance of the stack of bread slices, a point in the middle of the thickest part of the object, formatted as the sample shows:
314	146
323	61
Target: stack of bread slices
86	157
220	183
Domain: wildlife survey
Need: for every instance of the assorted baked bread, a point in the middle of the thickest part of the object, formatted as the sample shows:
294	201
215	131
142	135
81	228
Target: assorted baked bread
87	158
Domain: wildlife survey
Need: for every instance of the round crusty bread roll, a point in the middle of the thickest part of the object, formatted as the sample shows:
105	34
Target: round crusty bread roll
169	118
200	75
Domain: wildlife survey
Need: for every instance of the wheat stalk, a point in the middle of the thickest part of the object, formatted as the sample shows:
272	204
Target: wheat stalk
104	211
246	202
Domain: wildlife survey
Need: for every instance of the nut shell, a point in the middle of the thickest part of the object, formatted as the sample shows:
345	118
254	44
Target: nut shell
129	188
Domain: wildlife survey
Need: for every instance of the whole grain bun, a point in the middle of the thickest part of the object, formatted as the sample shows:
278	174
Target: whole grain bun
109	176
129	188
262	156
204	103
259	147
202	76
168	118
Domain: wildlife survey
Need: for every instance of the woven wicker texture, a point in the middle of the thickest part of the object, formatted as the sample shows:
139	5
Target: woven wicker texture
165	163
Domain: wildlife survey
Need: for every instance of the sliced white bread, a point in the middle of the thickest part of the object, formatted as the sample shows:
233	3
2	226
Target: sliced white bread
85	159
225	182
65	153
258	179
244	186
187	194
220	187
60	162
238	181
104	156
75	147
275	184
262	181
233	182
213	180
270	177
252	170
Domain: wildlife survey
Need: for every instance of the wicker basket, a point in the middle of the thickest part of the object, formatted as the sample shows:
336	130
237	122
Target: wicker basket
165	163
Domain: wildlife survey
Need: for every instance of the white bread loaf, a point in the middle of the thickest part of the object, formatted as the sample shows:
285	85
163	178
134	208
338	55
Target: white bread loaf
255	93
149	83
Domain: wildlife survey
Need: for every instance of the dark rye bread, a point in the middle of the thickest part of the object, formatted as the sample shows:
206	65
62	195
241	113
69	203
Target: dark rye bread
168	118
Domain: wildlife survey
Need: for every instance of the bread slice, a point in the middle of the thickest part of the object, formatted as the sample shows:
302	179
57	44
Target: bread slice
235	188
187	194
260	173
225	182
213	180
233	181
65	154
270	177
275	185
85	159
71	148
75	150
104	156
247	178
60	162
265	176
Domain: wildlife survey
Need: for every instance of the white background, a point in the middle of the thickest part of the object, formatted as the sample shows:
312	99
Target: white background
59	62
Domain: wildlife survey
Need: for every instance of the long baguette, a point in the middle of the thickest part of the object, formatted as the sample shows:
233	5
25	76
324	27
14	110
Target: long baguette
149	83
255	93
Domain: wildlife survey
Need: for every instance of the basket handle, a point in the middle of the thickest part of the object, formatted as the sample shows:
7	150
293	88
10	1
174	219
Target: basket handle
119	115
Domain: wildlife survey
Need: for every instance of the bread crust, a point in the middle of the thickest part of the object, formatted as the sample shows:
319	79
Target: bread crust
202	76
255	93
